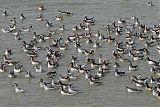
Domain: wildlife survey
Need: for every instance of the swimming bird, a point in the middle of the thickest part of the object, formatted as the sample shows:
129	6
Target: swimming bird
72	67
40	17
138	83
89	52
132	90
93	82
11	63
117	73
86	18
71	90
42	7
150	4
133	17
59	18
8	51
17	89
52	64
51	74
149	44
132	67
96	44
32	53
33	61
75	28
18	68
5	30
11	74
47	37
2	67
74	59
54	83
22	16
64	92
38	68
5	59
63	47
121	21
151	62
48	86
5	13
116	64
13	21
49	24
41	83
64	85
148	87
64	78
27	29
72	76
62	28
28	74
65	12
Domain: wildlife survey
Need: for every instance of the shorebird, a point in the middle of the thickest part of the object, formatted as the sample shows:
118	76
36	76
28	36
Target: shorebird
17	89
132	90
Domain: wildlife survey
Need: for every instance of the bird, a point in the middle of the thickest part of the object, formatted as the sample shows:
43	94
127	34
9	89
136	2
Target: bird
64	92
117	73
17	89
132	90
28	74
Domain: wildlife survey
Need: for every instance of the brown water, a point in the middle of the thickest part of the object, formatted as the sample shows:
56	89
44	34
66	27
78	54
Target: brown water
112	93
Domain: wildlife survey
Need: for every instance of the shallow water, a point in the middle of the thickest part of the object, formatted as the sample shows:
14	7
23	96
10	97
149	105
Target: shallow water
112	92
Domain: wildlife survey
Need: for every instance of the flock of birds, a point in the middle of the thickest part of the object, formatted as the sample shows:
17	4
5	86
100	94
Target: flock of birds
95	68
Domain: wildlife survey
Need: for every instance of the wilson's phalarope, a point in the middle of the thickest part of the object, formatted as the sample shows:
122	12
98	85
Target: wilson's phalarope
52	64
22	16
131	67
59	18
62	28
38	68
48	86
117	73
93	82
41	83
4	13
70	90
8	51
42	7
32	53
40	17
2	67
131	90
33	61
28	74
65	12
64	78
116	64
72	67
17	89
5	30
51	74
54	83
27	29
150	4
148	87
49	24
18	68
7	59
64	92
11	74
